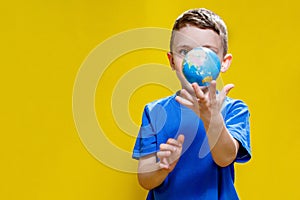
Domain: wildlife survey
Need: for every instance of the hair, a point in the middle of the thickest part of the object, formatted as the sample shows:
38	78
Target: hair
204	19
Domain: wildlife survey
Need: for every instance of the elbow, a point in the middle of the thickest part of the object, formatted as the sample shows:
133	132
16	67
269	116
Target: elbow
143	182
227	157
226	160
223	163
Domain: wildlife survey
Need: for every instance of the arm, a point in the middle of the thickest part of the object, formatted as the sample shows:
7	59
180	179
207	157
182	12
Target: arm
207	105
151	173
223	146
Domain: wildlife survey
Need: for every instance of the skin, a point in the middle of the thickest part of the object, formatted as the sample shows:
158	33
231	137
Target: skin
202	100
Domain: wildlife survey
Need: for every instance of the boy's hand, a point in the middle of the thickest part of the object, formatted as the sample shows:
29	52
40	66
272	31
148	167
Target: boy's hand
206	104
170	152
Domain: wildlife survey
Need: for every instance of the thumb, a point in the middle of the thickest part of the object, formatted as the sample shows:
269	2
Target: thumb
226	89
180	139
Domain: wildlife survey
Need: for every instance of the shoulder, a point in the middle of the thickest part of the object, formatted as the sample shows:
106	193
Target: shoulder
234	106
163	102
234	102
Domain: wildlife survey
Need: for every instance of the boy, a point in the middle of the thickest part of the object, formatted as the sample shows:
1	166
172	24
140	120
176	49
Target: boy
188	142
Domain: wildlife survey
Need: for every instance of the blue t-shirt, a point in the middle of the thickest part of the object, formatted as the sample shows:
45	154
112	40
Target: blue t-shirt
196	176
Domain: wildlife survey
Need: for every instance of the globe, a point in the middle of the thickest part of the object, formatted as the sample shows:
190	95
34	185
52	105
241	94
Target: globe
201	65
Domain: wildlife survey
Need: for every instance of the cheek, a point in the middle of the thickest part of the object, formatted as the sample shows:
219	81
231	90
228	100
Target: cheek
178	63
221	57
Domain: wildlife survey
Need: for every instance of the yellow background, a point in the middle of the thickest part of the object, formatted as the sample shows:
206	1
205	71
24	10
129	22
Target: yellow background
43	44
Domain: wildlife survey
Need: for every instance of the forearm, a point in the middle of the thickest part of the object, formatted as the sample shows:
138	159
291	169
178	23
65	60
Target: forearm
223	146
150	174
152	179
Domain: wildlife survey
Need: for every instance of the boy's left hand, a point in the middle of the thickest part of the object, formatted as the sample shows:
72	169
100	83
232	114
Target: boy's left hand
205	102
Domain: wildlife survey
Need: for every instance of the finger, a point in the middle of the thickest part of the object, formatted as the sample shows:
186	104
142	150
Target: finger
212	91
174	142
167	147
225	91
162	154
163	166
198	92
186	95
228	87
184	102
164	163
180	139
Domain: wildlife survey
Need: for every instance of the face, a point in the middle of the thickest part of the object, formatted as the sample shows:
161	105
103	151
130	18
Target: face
190	37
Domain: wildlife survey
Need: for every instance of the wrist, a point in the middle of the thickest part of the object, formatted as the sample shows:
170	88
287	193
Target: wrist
213	122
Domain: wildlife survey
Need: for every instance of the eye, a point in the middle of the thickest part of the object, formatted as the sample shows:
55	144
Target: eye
183	52
214	51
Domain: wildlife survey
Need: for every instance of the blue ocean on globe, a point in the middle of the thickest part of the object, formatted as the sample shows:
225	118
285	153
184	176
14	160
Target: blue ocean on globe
201	65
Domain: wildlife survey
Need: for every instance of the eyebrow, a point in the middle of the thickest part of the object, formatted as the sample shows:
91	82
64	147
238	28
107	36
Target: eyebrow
184	46
190	47
211	47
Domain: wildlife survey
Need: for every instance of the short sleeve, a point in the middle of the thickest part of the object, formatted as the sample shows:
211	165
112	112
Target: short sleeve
146	140
237	122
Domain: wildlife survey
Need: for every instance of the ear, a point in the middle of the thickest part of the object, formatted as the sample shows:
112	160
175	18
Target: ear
171	60
226	63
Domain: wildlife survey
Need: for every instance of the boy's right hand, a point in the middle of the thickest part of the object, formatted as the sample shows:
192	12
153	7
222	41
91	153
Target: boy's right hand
170	152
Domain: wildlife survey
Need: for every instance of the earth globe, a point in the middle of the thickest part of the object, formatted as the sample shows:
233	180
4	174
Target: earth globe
201	65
